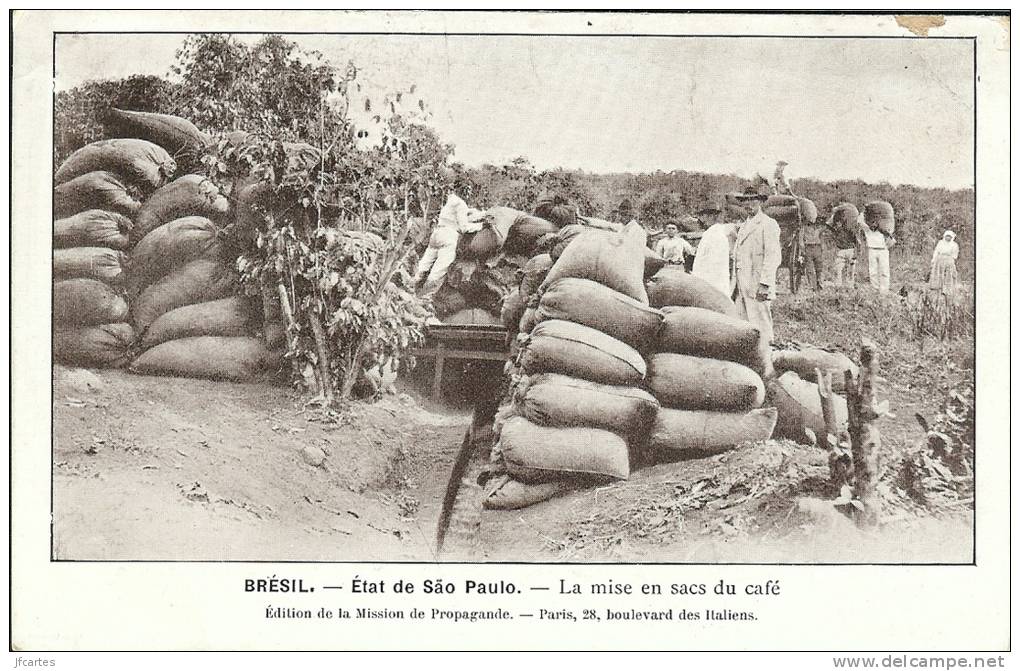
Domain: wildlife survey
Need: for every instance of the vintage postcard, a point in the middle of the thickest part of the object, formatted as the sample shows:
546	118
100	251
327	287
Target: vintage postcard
567	328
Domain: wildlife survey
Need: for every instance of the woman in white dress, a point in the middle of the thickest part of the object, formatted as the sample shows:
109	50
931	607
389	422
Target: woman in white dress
943	276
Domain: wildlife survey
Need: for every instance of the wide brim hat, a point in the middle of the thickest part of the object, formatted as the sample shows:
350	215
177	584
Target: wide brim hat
751	193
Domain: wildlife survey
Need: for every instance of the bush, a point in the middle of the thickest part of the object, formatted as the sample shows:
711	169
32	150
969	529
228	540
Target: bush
78	114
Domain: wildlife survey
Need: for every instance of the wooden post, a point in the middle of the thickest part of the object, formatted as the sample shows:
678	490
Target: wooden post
840	462
865	440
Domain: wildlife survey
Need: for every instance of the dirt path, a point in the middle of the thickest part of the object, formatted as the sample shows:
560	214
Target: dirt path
163	468
171	469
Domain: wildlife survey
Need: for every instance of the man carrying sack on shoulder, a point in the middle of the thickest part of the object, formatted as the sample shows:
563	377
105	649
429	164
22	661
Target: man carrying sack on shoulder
878	244
756	257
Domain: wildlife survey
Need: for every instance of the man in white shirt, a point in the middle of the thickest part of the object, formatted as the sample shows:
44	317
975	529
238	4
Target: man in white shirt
878	244
454	219
673	248
712	260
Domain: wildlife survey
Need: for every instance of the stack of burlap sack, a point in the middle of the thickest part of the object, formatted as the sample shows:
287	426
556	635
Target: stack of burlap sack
575	405
608	374
706	369
140	264
618	362
97	196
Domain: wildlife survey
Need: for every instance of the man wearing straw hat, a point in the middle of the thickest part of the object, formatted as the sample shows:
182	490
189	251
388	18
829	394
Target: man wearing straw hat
756	258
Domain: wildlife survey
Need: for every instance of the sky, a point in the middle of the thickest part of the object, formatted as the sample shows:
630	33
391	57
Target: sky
894	110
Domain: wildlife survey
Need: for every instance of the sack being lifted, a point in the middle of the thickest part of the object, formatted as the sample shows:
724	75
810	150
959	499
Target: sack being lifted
879	215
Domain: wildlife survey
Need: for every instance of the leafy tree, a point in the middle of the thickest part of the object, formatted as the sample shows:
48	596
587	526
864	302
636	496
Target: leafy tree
659	207
78	113
329	225
272	86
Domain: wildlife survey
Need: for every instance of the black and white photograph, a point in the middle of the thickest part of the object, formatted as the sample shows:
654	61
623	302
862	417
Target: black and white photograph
526	290
341	297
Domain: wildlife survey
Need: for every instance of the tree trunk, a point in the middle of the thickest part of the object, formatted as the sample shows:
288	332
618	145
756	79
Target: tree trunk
865	440
288	313
840	461
322	357
390	262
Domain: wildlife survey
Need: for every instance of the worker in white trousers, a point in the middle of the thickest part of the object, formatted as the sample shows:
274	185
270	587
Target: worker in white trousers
878	244
454	219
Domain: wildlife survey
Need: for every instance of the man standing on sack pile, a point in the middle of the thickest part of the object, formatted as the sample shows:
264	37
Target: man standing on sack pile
454	219
781	183
756	258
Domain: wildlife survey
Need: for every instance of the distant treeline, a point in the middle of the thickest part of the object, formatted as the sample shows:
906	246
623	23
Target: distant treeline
922	214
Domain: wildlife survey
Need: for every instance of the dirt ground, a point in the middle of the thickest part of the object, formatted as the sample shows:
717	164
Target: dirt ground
166	468
178	469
